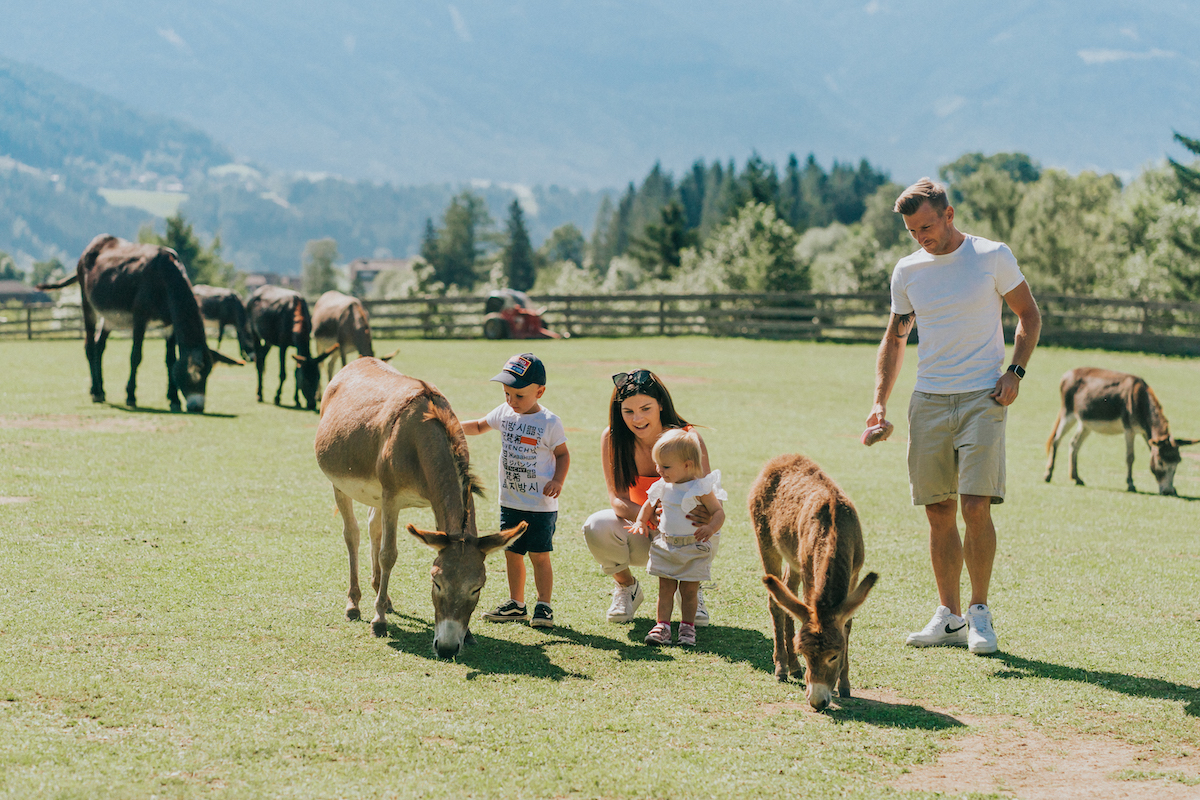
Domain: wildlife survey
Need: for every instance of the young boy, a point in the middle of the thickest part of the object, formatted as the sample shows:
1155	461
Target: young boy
533	465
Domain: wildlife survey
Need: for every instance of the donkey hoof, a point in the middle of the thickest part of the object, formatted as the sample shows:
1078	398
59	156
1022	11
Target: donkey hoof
176	408
469	638
98	398
379	629
1079	482
843	692
353	614
1131	488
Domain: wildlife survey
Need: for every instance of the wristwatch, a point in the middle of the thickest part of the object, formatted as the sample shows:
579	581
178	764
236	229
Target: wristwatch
1017	370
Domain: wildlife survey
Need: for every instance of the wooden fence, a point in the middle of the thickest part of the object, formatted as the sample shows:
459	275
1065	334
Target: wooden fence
1148	326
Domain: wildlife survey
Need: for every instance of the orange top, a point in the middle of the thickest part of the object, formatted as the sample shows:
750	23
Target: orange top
639	492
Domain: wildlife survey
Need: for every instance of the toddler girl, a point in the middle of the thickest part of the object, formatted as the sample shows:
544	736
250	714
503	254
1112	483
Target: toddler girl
680	554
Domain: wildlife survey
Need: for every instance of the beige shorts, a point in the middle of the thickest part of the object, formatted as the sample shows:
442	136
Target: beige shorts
955	446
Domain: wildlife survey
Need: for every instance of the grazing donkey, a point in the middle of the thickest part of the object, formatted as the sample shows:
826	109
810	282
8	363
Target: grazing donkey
280	318
391	442
340	321
132	285
1115	402
809	538
224	307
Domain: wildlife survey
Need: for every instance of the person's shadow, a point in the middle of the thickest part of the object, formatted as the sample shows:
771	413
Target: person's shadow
1132	685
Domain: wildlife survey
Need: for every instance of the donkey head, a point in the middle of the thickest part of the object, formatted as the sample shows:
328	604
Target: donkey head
308	375
191	371
821	638
458	576
1164	460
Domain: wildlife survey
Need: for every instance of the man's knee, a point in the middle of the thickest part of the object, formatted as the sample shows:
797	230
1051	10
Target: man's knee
976	509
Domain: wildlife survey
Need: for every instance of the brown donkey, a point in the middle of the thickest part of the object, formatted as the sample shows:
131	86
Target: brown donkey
809	536
391	442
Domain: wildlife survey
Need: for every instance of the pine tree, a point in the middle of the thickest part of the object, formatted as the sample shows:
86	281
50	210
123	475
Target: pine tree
317	270
204	265
517	257
1189	177
658	247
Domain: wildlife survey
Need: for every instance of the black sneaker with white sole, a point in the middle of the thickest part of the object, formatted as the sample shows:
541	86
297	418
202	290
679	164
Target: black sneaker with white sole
543	616
508	611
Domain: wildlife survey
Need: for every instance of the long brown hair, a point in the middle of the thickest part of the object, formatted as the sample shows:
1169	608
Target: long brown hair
620	439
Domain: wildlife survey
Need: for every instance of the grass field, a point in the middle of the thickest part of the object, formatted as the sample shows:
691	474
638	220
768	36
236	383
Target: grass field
172	589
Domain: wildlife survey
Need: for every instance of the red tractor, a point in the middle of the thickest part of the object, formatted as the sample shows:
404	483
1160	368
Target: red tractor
510	315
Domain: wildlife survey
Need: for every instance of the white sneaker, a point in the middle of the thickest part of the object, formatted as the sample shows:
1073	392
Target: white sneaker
626	600
946	628
982	637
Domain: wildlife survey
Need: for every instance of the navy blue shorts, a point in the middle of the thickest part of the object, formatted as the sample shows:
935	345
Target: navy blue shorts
538	537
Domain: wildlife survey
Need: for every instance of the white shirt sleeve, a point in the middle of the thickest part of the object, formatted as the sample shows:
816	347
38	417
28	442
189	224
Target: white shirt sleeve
900	303
1007	273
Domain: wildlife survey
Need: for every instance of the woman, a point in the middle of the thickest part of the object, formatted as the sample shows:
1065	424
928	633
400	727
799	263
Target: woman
639	411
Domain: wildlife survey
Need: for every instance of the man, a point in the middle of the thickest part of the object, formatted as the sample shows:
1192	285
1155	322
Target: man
953	289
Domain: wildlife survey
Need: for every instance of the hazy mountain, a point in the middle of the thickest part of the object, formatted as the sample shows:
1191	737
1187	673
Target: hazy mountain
591	94
62	144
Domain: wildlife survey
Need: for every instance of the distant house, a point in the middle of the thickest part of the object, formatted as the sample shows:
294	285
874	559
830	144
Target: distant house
15	291
364	271
257	279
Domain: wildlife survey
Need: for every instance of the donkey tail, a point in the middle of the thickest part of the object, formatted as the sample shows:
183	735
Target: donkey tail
67	281
1054	431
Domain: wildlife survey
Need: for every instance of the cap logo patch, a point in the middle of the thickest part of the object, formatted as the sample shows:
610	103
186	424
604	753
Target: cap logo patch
518	365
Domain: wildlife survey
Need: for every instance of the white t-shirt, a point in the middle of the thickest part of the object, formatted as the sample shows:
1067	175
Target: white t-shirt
527	462
958	299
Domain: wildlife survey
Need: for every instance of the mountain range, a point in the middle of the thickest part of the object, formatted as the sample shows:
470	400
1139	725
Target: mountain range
592	94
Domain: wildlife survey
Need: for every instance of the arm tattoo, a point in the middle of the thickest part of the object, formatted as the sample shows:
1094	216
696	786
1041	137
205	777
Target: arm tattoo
902	324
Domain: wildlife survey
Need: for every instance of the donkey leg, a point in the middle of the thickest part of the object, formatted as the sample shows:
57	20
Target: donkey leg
792	579
1064	425
1076	443
95	337
345	507
260	362
387	559
844	678
375	528
135	360
172	386
282	372
1129	460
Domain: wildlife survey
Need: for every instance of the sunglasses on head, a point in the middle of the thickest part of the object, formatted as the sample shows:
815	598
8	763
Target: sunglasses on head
631	383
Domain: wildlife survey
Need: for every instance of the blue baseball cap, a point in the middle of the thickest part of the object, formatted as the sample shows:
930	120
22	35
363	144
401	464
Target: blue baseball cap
521	371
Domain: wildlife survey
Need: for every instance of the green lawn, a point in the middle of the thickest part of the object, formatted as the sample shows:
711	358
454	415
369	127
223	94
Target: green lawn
171	598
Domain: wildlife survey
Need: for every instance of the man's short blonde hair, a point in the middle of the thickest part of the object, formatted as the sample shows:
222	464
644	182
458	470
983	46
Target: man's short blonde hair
923	191
677	444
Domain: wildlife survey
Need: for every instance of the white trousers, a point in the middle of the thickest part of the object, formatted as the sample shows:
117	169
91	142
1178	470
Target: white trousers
614	547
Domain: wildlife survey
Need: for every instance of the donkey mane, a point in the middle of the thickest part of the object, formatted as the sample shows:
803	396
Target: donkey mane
1159	427
831	582
440	412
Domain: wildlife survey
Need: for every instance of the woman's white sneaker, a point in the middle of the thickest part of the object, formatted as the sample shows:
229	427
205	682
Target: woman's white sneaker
982	637
626	600
946	628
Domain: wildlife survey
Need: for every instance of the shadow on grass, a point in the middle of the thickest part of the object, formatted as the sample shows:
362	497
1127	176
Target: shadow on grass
1132	685
1112	490
891	715
167	411
489	655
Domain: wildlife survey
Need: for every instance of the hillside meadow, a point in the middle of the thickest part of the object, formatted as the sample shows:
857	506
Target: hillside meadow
172	591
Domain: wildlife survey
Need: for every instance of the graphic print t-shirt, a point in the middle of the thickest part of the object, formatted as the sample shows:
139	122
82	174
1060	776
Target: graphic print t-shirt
527	443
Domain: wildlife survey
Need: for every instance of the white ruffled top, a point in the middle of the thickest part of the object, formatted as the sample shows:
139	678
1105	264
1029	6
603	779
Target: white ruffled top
680	498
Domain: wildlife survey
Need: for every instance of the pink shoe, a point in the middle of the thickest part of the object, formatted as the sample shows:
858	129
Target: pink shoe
659	634
687	635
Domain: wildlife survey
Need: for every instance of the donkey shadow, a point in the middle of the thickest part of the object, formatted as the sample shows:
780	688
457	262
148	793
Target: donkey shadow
166	411
489	655
1132	685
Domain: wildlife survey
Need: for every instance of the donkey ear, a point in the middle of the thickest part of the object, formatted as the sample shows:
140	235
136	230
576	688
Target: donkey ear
857	597
435	539
496	541
390	355
784	597
299	358
218	356
332	349
1182	442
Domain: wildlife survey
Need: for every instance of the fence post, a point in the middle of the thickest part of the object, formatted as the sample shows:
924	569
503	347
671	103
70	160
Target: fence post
567	318
29	323
662	317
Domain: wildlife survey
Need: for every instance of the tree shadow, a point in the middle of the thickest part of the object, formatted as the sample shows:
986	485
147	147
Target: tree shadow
166	411
489	655
1132	685
891	715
